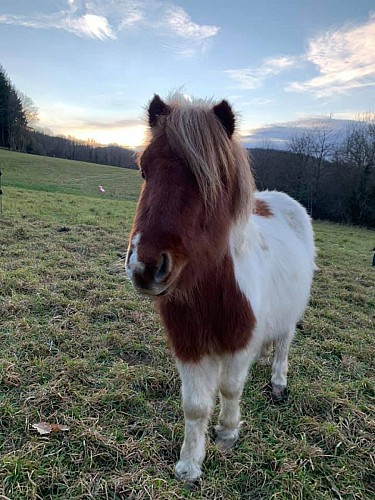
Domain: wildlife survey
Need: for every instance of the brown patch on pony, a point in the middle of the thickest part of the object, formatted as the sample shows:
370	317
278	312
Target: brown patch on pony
215	317
262	209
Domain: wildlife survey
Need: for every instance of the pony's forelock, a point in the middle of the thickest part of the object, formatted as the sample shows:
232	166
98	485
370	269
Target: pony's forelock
195	134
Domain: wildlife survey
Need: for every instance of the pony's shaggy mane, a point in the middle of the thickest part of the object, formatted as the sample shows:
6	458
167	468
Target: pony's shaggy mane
196	135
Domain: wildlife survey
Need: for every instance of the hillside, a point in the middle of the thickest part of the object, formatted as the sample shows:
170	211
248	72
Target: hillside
44	173
80	348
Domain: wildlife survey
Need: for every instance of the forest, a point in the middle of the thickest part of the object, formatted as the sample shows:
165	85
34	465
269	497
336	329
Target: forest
333	177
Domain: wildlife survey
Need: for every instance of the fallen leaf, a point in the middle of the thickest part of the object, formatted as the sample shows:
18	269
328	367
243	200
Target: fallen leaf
44	428
59	428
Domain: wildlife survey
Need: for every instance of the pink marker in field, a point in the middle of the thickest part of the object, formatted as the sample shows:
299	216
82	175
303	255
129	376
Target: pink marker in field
101	189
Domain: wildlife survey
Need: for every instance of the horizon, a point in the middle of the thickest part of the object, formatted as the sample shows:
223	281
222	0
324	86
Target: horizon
91	67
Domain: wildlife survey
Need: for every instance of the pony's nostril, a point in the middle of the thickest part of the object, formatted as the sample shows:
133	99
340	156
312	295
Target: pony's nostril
165	264
129	254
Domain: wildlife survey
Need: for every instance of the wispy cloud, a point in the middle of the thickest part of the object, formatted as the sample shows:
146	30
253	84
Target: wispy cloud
253	78
106	19
123	14
63	118
181	24
344	59
87	25
113	124
277	135
189	38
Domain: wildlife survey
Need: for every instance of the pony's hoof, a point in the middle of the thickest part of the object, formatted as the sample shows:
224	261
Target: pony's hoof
187	471
225	440
225	443
279	394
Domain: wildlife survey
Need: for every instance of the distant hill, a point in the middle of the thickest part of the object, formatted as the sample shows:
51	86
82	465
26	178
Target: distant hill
43	173
277	135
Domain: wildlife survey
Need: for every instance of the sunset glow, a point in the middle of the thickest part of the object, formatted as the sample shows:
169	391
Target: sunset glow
130	137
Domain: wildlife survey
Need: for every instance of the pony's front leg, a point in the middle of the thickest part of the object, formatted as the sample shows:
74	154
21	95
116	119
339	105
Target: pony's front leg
199	385
232	379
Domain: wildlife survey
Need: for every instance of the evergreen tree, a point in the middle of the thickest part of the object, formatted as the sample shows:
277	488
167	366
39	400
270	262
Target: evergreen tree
4	108
13	123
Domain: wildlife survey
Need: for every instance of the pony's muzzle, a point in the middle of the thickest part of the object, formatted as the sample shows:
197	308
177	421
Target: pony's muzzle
148	278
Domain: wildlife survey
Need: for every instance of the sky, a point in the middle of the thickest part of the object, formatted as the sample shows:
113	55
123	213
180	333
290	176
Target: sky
91	66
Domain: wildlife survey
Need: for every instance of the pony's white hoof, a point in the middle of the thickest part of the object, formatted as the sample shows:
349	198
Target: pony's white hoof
187	470
225	439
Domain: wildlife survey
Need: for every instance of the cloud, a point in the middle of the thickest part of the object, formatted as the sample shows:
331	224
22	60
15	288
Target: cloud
106	19
344	59
69	120
188	37
181	25
114	124
277	135
123	14
253	78
88	25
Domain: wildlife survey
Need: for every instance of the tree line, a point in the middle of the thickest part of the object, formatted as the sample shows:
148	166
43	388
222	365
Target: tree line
333	177
73	149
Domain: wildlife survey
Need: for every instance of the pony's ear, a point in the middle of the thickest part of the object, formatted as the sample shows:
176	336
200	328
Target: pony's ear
226	116
156	108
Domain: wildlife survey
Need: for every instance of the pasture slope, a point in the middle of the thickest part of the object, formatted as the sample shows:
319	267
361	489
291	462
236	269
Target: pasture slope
80	348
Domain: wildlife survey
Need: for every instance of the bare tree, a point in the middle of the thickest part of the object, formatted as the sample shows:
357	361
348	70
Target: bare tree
312	148
358	152
29	108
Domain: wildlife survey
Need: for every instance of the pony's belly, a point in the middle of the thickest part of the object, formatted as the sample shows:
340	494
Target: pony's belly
278	299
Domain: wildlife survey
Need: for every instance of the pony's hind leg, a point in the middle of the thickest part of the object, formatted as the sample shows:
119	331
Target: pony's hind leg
280	367
233	375
265	353
199	386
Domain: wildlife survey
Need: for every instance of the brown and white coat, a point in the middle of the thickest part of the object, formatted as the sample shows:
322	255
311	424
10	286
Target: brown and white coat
229	269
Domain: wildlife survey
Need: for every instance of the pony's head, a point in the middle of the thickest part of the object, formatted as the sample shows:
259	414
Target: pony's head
197	181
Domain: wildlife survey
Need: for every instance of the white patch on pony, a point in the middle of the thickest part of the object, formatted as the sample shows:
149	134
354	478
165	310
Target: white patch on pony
276	282
132	263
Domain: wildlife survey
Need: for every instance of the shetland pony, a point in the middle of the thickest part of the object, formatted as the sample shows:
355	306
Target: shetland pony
229	269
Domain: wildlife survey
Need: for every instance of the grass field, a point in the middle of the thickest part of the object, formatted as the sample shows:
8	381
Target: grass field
80	348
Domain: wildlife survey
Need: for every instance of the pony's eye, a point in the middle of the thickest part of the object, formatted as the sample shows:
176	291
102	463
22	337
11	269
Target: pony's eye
143	174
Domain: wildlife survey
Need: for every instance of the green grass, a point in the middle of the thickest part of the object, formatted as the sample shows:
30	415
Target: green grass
42	173
79	347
